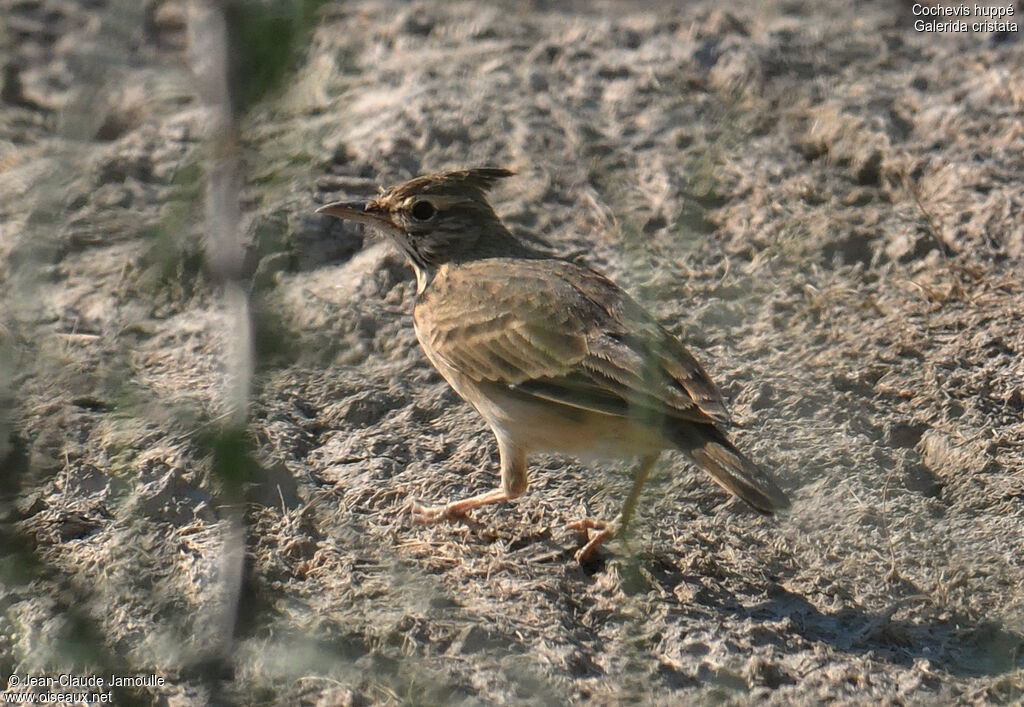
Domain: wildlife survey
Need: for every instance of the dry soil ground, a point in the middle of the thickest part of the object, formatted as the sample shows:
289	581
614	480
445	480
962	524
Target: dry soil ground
824	202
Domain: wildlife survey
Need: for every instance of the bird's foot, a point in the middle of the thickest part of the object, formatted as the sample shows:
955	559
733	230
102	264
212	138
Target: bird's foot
426	515
604	530
429	515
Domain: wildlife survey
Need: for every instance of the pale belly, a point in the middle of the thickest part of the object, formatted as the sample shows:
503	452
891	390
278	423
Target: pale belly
544	426
537	425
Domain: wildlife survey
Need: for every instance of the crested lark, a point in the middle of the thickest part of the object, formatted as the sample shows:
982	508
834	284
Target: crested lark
554	356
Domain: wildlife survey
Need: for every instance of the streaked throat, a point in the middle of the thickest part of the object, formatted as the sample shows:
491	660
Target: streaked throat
423	268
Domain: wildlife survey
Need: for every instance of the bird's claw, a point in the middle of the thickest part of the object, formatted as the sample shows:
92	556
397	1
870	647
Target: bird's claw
429	515
605	530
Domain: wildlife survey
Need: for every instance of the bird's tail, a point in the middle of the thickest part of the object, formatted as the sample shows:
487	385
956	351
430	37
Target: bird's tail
716	455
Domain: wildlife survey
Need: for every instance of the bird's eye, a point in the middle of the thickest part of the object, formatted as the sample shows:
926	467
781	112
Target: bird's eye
423	211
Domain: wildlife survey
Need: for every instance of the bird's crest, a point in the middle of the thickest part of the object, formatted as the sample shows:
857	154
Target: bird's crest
468	182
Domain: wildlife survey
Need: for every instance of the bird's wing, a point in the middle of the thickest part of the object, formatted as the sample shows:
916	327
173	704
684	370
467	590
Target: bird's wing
557	331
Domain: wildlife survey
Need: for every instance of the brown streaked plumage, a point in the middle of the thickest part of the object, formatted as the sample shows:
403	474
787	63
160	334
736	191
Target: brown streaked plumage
554	356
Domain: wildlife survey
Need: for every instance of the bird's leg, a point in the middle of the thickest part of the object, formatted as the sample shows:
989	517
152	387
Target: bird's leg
513	484
646	465
608	530
427	515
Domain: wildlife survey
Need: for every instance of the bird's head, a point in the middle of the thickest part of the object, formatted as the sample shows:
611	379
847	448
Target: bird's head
437	219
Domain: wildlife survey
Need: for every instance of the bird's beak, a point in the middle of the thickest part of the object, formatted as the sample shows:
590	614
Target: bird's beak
359	211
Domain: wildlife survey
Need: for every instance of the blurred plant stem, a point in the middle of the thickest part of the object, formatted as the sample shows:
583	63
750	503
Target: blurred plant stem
225	250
